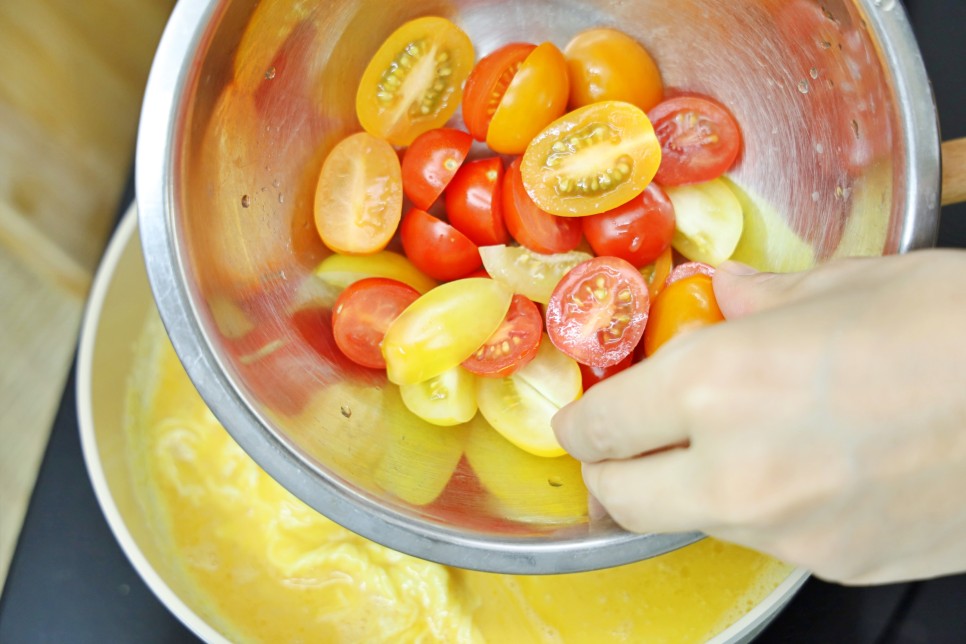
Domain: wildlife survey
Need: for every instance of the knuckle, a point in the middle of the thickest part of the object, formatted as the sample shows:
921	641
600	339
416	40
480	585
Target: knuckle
598	433
612	491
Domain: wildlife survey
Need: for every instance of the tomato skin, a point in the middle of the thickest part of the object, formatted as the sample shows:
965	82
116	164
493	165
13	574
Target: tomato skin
539	231
657	272
608	65
488	83
590	376
399	71
684	305
513	345
598	311
689	269
363	312
591	160
637	231
436	248
430	163
700	139
359	162
536	96
473	203
342	270
709	221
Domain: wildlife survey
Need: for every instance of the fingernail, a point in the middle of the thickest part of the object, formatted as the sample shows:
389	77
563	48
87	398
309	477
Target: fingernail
737	268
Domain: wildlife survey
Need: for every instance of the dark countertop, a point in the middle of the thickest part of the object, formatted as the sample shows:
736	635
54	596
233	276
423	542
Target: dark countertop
70	582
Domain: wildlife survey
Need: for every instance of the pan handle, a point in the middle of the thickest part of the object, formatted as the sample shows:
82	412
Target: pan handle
954	171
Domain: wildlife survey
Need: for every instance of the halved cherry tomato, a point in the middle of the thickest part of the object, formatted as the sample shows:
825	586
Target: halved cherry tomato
514	343
708	221
414	81
700	139
537	95
637	231
342	270
488	83
445	400
430	163
358	199
528	273
590	376
688	269
597	313
537	230
362	314
473	203
656	273
443	328
520	407
591	160
684	305
608	65
436	248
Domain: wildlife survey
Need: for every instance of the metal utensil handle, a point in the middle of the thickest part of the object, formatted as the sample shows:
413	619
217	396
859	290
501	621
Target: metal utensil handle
954	171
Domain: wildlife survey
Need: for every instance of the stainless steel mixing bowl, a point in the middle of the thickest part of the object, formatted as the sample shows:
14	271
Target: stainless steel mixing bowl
841	154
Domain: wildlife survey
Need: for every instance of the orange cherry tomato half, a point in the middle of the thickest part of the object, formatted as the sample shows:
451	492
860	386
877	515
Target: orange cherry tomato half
597	313
637	231
591	160
473	203
608	65
700	140
537	96
684	305
363	312
488	83
539	231
657	272
689	269
436	248
513	345
430	163
414	82
358	198
590	376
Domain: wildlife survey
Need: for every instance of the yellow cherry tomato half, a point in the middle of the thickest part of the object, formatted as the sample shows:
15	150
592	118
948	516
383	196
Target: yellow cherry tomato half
414	83
608	65
446	400
708	221
443	328
528	273
520	406
358	199
536	96
340	271
591	160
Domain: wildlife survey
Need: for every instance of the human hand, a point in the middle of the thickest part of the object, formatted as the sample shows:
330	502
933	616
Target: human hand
825	422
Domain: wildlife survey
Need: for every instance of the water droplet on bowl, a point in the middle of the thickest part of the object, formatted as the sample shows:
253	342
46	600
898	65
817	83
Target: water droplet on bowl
803	86
246	201
270	73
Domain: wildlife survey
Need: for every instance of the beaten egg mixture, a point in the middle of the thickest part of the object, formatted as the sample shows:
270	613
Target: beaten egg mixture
265	567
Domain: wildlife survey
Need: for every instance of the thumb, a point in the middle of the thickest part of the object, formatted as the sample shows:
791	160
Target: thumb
741	290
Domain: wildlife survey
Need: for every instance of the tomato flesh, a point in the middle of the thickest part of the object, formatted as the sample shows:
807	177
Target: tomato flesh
445	400
700	140
430	163
598	311
358	198
709	220
534	275
363	312
473	203
513	345
488	83
608	65
414	81
539	231
637	231
436	248
684	305
591	160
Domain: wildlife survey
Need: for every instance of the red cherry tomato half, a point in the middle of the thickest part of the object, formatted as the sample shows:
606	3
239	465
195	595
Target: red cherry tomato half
598	311
436	248
363	312
488	83
513	345
473	202
700	140
637	231
590	376
689	269
430	163
539	231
